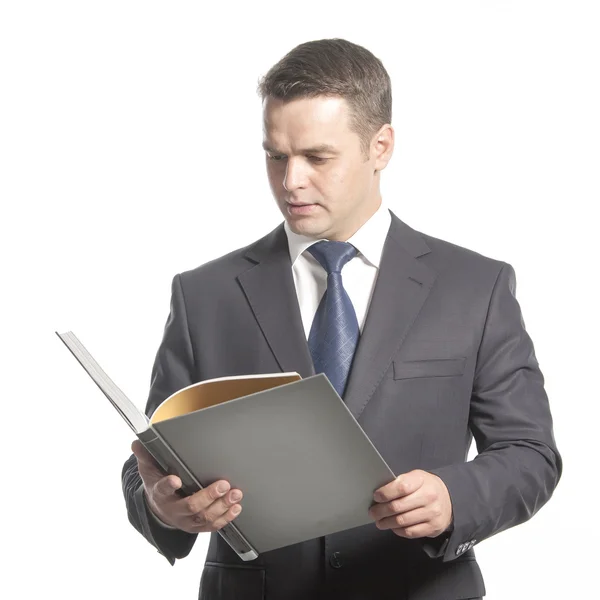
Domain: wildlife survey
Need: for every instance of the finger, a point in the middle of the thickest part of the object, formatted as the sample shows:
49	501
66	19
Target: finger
222	510
204	498
219	508
143	456
417	531
167	486
401	486
397	506
229	516
408	519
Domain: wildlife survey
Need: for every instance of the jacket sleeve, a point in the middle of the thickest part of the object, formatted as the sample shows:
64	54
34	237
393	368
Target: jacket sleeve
518	465
173	369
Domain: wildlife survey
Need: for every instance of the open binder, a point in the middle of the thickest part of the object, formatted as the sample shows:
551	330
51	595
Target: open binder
304	464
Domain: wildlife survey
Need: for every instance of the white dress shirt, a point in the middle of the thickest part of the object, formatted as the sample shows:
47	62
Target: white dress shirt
358	275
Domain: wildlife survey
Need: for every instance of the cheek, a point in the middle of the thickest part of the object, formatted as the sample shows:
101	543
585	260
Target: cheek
275	178
357	184
342	185
332	182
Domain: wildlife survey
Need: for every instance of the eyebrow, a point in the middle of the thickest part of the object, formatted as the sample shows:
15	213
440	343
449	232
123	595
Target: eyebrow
326	148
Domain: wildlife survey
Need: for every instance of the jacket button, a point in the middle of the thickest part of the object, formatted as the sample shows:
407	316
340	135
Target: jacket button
335	560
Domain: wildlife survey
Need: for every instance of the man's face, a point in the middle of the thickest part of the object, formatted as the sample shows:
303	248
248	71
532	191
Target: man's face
317	172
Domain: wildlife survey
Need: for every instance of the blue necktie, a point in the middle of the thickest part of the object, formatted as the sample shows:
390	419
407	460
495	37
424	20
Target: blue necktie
334	332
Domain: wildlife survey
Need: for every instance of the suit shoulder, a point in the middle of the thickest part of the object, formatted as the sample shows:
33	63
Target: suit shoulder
222	268
462	267
230	264
461	257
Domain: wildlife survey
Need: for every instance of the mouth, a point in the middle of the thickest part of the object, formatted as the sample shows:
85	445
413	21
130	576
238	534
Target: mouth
300	203
300	209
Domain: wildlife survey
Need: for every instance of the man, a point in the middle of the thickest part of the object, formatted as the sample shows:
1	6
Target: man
427	347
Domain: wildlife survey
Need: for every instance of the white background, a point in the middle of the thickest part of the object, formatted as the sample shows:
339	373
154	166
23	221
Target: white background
130	138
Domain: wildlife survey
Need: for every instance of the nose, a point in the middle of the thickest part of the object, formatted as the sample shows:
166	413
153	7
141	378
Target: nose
294	175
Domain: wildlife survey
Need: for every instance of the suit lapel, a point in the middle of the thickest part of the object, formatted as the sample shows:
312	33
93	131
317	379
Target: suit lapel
402	285
269	288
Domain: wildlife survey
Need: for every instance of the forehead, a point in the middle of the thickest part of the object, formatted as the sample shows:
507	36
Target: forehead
306	120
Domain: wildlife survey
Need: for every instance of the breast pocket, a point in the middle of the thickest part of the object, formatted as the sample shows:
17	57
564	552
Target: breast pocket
436	367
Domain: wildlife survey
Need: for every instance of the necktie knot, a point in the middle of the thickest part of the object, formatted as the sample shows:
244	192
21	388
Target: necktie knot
332	256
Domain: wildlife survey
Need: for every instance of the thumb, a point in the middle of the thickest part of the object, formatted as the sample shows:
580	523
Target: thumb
403	485
144	457
410	482
167	486
140	451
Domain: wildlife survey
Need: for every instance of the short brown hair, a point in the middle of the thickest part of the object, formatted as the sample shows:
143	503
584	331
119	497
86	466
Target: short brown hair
335	67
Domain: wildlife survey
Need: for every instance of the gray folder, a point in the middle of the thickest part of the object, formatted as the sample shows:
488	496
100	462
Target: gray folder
304	464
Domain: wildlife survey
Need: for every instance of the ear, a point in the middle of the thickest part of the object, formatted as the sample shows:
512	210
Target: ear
383	146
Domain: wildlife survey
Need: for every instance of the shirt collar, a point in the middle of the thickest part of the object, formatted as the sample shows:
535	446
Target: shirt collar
368	240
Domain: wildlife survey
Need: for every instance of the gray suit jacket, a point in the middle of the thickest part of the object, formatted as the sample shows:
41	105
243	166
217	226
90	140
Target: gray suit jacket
444	356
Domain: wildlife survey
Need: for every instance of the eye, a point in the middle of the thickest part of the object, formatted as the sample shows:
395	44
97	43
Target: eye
280	157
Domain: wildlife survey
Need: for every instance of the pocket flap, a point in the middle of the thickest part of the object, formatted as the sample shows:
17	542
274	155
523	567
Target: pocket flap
438	367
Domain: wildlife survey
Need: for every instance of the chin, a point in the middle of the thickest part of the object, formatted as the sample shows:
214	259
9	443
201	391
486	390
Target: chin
306	227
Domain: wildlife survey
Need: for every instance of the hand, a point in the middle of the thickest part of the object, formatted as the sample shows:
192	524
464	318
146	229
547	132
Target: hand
207	510
415	505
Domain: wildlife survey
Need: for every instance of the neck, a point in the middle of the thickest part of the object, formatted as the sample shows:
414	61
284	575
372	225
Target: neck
355	225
